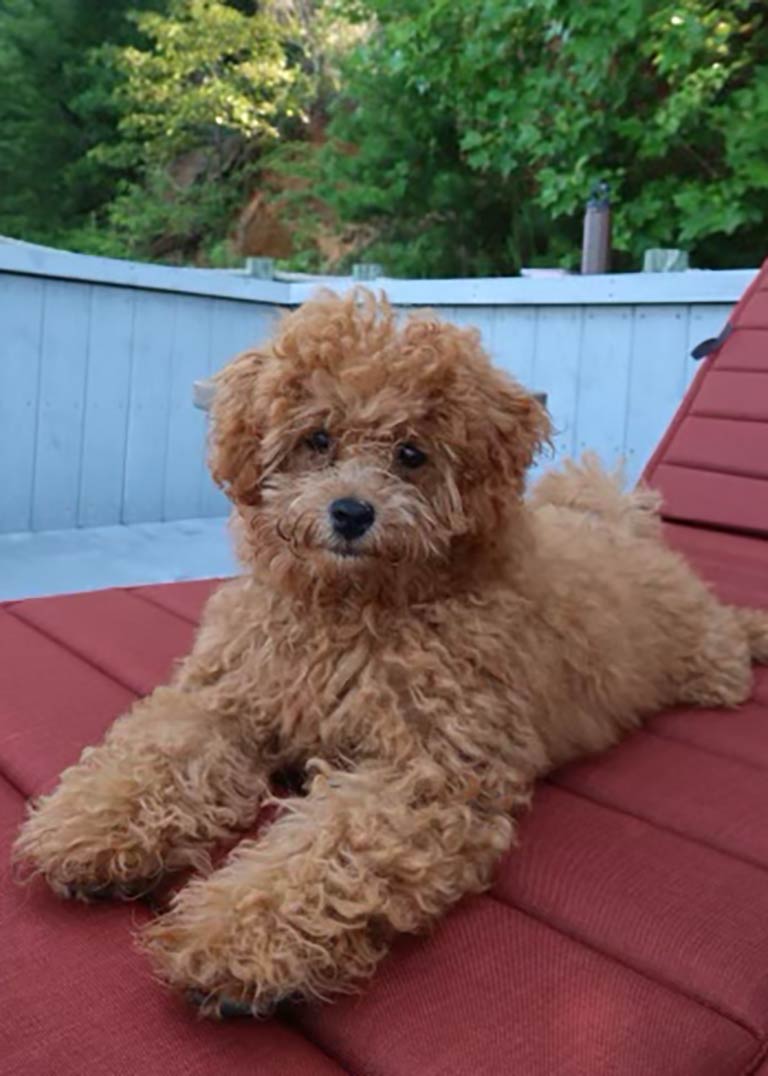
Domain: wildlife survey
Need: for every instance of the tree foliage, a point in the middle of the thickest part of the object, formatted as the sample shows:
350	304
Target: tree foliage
57	103
464	135
209	89
138	125
480	126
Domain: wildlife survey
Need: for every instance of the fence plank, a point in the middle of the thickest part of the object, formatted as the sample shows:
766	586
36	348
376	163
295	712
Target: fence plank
472	317
147	431
657	378
107	395
513	342
186	424
556	370
64	361
601	409
21	317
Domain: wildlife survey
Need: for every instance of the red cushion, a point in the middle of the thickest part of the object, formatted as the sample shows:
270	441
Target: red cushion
52	703
184	599
683	911
502	992
628	934
77	998
133	641
712	464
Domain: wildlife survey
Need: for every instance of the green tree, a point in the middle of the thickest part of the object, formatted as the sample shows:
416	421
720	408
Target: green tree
213	86
57	104
136	127
480	125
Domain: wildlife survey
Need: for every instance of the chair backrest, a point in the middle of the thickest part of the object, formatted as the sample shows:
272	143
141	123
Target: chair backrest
711	466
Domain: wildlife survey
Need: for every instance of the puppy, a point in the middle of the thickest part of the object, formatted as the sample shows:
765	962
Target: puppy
409	630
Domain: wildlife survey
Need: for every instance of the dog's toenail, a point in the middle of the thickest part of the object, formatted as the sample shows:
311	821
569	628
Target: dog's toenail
228	1008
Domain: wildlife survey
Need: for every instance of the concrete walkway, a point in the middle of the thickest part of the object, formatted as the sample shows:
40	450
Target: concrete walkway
60	562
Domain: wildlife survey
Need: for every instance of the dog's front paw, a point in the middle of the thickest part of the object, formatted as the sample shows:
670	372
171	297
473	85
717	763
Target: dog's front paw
194	948
224	950
85	854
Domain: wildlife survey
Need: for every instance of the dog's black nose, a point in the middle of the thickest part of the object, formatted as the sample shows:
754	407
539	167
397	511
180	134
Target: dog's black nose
351	518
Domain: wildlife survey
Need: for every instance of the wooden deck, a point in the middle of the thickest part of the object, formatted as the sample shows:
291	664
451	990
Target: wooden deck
98	358
92	558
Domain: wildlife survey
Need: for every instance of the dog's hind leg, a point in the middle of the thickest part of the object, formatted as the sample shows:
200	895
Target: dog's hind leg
754	623
585	486
719	672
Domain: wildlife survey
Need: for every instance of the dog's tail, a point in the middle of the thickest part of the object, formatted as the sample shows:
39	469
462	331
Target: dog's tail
754	623
585	486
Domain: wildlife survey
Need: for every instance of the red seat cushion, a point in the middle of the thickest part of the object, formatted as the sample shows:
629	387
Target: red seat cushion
627	935
77	998
133	641
52	703
500	990
712	464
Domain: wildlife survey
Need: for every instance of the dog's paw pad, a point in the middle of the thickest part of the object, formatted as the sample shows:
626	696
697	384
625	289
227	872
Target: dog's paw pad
229	1008
224	1007
111	891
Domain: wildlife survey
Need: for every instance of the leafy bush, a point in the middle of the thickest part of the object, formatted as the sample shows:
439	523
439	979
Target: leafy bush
480	126
464	135
136	127
58	103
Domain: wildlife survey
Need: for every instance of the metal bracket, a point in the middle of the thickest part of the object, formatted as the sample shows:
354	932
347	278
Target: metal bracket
714	343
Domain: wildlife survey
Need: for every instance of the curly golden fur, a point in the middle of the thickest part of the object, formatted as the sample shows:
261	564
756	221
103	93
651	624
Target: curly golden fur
423	673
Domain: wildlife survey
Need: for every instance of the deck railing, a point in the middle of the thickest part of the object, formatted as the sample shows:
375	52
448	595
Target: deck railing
98	358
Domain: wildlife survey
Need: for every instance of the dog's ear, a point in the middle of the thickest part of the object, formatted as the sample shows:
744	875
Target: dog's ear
518	426
505	419
237	428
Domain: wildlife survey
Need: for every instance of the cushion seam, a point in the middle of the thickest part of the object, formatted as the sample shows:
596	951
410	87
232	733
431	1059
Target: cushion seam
752	1065
74	653
731	416
575	936
706	750
725	369
5	776
755	533
137	593
679	834
705	468
297	1029
727	472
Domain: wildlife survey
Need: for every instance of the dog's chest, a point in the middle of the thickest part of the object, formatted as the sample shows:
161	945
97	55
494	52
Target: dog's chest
317	679
355	689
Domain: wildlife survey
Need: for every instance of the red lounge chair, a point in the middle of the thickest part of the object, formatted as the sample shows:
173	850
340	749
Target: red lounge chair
627	936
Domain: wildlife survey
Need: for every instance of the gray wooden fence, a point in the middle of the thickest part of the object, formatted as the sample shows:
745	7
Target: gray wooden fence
98	358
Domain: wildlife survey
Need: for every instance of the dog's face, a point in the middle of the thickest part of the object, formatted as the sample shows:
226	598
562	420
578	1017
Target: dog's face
350	444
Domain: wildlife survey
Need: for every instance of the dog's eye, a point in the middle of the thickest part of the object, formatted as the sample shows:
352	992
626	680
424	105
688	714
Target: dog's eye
410	456
319	441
